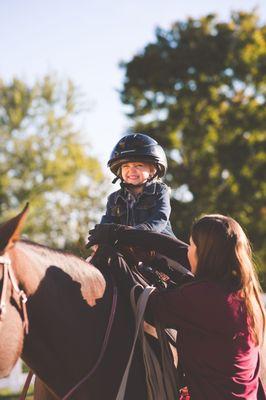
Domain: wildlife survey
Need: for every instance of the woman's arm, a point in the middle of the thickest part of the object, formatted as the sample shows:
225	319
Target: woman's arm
168	306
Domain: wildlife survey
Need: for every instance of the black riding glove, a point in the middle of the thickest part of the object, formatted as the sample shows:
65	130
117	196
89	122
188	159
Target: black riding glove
105	234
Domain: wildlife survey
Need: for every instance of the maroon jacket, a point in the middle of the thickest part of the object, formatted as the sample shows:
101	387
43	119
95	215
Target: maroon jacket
216	351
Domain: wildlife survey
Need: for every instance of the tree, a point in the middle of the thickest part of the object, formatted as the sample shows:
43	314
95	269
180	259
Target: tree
44	160
200	90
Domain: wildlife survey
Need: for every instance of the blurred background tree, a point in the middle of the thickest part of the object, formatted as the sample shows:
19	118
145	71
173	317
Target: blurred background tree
45	160
200	90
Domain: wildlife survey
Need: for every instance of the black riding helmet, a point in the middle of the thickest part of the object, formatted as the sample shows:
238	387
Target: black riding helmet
138	147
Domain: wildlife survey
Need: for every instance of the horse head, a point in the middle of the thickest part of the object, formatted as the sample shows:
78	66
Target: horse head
11	327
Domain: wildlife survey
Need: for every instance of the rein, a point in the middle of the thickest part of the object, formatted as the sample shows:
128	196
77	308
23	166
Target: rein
161	381
8	274
103	348
104	345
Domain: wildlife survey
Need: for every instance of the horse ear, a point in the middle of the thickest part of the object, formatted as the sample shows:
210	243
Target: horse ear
10	230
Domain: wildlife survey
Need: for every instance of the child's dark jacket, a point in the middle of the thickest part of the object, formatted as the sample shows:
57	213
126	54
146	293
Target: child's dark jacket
150	210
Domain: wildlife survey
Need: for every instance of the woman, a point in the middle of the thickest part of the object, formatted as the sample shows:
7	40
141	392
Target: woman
220	317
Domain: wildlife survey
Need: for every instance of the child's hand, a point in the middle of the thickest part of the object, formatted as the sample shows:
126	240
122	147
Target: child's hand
104	234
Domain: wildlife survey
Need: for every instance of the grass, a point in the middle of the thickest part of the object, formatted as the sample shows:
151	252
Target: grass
6	394
14	396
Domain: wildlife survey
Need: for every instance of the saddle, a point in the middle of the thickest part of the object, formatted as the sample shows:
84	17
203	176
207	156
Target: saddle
156	259
161	274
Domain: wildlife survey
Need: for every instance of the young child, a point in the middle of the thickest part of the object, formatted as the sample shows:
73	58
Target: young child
143	201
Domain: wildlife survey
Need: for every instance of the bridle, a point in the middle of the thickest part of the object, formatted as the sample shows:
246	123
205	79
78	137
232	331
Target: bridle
8	275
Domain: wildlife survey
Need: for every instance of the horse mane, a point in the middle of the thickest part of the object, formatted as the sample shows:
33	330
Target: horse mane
91	280
49	249
63	257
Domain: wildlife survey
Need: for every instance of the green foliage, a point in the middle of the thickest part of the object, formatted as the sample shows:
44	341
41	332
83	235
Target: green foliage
25	368
45	160
200	90
6	394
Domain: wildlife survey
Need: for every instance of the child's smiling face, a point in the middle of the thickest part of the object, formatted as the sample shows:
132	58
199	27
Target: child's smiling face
137	173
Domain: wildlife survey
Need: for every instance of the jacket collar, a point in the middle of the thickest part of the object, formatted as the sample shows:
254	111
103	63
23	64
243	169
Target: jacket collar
149	189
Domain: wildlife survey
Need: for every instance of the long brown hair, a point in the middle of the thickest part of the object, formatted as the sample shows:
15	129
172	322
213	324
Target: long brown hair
225	256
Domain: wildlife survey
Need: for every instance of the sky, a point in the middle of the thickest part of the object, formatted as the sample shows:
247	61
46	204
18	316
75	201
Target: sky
85	41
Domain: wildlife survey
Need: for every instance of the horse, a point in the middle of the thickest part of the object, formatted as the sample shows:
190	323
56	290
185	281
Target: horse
62	332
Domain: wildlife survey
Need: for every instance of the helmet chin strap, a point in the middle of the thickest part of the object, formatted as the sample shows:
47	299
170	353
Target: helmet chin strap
116	179
152	177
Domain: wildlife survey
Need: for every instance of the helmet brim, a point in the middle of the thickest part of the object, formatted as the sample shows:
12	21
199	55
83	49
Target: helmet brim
115	165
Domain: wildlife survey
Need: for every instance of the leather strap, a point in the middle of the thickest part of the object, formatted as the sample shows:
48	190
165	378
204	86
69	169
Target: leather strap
104	346
26	386
160	386
4	289
8	272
